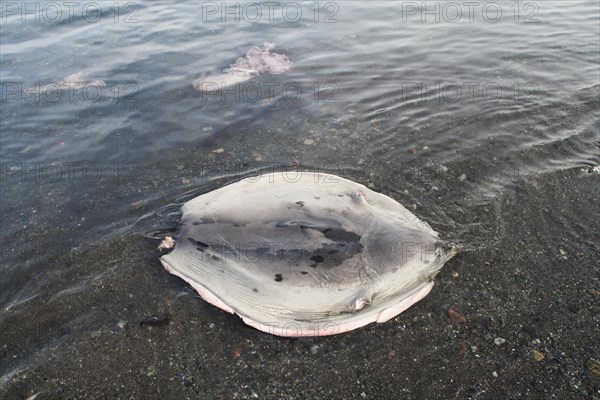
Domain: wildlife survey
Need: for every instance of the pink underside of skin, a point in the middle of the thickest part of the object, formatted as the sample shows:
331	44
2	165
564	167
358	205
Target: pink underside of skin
206	294
323	329
390	312
328	329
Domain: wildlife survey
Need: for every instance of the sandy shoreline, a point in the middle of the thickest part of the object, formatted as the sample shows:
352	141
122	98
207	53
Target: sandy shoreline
531	307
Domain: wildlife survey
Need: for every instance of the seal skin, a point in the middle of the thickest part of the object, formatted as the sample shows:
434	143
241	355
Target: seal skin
311	254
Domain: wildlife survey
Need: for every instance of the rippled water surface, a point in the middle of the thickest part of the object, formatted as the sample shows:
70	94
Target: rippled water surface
446	111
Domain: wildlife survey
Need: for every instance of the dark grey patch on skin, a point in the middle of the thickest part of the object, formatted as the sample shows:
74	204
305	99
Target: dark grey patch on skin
215	257
226	221
336	234
317	258
255	290
341	235
197	243
302	224
395	269
303	272
205	220
196	223
278	278
300	203
317	198
200	249
357	197
328	255
293	223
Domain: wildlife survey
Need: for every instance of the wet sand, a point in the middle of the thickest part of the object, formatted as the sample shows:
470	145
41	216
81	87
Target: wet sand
531	307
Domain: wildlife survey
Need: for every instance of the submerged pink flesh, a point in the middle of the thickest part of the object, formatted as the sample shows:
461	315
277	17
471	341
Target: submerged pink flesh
256	62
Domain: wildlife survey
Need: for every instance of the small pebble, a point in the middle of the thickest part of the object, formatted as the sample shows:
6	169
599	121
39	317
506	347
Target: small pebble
462	177
499	341
314	349
454	274
594	367
219	150
538	355
137	204
455	316
308	142
238	351
495	374
155	322
563	254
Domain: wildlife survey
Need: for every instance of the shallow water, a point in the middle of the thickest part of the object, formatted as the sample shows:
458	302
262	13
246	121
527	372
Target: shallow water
448	114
